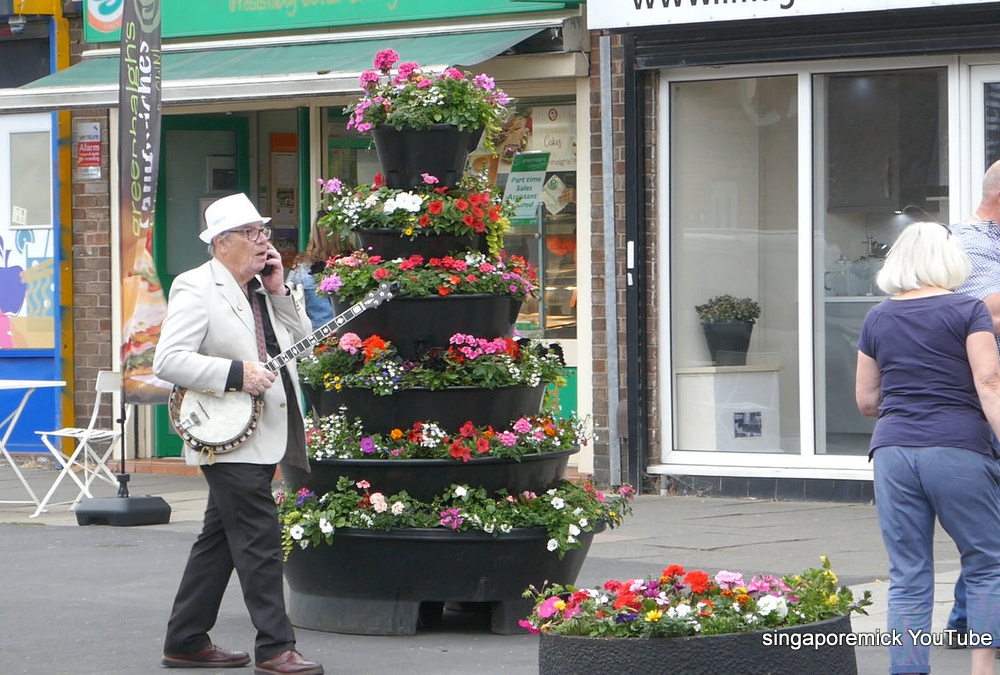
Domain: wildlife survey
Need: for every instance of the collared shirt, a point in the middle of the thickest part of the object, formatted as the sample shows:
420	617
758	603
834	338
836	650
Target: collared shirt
981	242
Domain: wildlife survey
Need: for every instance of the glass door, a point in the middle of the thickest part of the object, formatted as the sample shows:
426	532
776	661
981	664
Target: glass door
202	159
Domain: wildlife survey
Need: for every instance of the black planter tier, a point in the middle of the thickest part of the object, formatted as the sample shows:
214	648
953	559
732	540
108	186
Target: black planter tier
425	479
440	150
450	408
392	244
414	325
374	582
728	341
744	653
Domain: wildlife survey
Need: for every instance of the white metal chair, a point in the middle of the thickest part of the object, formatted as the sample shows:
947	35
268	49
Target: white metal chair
93	462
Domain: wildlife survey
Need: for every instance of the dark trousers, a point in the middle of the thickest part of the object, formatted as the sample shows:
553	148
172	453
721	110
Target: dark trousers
240	532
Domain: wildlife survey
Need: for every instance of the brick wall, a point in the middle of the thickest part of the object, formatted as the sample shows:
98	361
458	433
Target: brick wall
599	201
90	262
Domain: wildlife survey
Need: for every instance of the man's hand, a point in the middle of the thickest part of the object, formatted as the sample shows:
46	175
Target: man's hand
256	378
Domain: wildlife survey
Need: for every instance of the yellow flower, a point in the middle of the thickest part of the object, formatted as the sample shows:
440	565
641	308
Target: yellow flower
396	434
832	600
408	231
654	615
830	576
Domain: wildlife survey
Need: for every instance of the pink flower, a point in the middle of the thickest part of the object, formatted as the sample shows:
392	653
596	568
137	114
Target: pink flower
379	502
525	624
363	484
330	284
522	426
484	81
350	343
429	179
404	71
508	438
453	73
549	607
726	579
385	60
424	83
332	186
368	78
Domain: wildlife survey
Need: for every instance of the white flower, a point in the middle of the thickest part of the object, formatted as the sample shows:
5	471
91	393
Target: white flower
682	610
461	491
584	522
772	603
325	526
558	503
506	528
398	508
574	530
379	503
552	545
488	528
297	531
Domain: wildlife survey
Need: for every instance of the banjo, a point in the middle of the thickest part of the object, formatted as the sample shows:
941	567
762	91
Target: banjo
220	424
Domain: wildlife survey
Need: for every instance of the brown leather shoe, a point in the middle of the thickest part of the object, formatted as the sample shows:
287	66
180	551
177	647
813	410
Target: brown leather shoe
288	662
211	656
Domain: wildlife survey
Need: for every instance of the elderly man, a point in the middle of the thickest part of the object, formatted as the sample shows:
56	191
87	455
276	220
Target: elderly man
224	319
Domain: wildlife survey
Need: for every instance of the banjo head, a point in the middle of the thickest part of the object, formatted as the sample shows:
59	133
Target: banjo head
217	423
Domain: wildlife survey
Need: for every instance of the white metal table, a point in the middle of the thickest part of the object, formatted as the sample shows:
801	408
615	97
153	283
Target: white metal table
9	422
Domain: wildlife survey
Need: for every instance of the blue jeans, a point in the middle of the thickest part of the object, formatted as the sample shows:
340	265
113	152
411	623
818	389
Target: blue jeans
961	488
958	620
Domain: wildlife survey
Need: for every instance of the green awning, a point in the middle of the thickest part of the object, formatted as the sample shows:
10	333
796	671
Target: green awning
241	72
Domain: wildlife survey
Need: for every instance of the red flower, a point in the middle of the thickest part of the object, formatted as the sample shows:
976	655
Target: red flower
380	273
698	581
457	450
482	445
467	429
379	179
628	600
673	571
469	220
461	204
435	207
425	220
443	290
372	346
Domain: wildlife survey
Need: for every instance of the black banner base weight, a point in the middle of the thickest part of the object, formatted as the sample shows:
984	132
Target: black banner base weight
123	511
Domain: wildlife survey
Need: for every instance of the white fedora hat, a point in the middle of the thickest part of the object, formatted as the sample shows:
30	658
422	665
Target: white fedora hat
227	214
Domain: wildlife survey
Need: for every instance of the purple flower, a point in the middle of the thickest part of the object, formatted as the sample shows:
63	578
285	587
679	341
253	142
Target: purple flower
330	284
367	445
484	81
451	518
303	495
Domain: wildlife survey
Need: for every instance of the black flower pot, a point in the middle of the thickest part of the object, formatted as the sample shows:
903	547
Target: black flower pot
425	479
414	325
441	150
374	582
450	408
728	341
771	652
392	244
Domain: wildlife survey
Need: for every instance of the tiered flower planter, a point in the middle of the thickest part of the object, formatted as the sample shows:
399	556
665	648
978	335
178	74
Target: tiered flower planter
383	582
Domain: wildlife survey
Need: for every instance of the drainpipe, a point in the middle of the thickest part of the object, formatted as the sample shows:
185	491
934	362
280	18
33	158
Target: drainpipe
610	285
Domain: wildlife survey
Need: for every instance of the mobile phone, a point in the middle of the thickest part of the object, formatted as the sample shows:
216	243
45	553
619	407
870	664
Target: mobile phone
267	270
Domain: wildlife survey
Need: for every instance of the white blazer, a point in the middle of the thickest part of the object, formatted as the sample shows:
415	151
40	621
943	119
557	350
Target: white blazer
209	325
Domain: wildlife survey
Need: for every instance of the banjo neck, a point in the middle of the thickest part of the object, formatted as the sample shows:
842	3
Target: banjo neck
383	293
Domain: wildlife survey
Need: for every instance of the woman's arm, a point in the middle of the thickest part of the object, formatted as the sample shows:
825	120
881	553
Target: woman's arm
982	350
868	385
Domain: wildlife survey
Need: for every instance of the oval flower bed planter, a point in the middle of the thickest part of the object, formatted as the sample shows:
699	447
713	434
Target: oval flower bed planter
425	478
450	408
414	325
768	652
347	587
391	243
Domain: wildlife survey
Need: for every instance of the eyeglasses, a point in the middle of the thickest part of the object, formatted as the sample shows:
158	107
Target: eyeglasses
253	233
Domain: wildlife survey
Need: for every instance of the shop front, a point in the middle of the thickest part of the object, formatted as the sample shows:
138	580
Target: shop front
790	145
254	102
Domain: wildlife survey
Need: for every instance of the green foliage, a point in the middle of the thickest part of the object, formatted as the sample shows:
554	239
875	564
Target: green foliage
724	308
679	603
565	511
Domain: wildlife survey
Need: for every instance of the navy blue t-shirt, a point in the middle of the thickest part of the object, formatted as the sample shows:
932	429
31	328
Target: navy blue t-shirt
928	396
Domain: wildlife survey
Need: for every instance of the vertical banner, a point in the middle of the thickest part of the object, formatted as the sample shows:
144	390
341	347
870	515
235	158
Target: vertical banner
143	305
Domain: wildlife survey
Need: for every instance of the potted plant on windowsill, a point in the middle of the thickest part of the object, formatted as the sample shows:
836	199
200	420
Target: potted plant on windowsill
425	122
699	624
728	323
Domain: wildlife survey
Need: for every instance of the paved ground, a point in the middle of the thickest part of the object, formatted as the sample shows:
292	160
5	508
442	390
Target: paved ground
94	600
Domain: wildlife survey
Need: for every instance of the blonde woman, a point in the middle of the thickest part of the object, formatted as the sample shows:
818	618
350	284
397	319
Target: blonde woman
321	248
928	369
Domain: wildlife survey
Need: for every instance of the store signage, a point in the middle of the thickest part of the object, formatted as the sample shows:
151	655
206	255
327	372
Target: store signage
88	151
189	18
525	184
641	13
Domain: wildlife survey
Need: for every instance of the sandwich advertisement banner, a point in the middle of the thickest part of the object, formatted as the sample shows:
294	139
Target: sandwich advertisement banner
143	305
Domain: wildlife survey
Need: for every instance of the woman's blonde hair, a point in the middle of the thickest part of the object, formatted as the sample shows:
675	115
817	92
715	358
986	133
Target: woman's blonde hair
323	245
925	254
